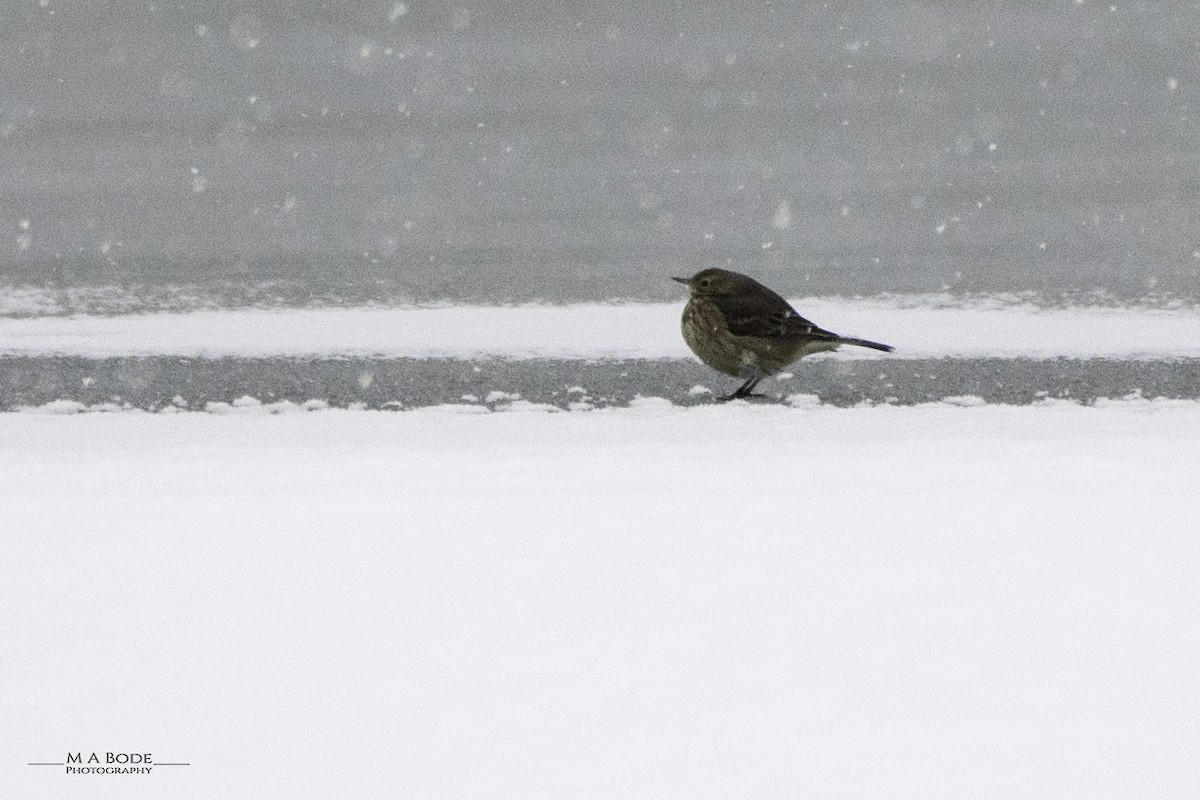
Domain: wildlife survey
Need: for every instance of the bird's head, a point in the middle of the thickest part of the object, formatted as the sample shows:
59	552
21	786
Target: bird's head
708	282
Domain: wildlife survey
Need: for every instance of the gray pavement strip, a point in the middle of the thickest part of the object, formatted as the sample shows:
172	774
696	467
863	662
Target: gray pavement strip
156	382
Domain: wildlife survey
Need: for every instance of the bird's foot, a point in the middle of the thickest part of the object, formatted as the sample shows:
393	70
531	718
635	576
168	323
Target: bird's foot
745	396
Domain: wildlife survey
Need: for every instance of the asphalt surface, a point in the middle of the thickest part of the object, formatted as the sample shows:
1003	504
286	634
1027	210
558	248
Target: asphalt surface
154	383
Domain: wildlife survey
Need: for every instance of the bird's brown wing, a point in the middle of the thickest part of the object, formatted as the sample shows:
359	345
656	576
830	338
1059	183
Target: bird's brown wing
767	317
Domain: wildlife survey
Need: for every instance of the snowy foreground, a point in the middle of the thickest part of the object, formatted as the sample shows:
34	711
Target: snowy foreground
919	327
652	602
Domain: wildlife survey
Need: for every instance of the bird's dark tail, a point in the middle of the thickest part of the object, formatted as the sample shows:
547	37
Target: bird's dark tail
887	348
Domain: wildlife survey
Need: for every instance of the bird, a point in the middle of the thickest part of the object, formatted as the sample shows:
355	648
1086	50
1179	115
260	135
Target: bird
741	328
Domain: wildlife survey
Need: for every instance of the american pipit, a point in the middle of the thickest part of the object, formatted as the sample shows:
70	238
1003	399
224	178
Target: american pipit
740	327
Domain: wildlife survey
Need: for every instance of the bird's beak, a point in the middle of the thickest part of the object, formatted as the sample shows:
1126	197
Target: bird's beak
684	281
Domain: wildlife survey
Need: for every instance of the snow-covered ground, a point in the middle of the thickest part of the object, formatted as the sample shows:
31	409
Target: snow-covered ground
919	327
733	601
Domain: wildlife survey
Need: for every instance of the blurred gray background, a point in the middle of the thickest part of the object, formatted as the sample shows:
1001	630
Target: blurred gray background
373	150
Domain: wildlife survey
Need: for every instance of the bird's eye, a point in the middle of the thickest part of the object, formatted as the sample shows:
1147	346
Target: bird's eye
704	283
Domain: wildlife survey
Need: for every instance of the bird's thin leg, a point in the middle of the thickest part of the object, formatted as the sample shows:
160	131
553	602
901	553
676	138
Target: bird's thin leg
744	391
747	388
